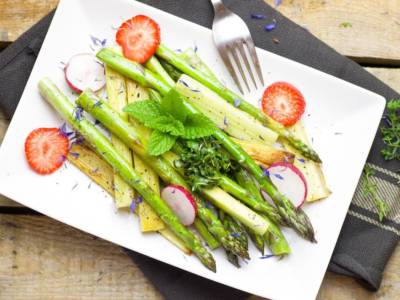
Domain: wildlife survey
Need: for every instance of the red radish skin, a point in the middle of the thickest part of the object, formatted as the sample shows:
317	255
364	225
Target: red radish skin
84	71
289	181
181	202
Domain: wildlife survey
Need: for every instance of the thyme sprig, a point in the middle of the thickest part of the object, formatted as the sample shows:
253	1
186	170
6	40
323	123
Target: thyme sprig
369	189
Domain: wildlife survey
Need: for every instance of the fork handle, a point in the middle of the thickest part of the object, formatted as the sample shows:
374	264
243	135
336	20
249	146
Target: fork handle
218	5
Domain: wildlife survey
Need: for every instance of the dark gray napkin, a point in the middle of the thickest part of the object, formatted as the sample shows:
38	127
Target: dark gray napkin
364	245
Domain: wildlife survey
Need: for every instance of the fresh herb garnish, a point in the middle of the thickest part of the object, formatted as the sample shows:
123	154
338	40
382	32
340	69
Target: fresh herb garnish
369	189
159	141
391	132
203	161
346	25
169	120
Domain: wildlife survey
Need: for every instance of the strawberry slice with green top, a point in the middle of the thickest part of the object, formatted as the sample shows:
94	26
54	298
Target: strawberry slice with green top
283	102
139	38
46	150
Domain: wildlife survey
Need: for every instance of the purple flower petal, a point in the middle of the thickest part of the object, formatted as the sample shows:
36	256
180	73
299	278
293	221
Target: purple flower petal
236	102
139	199
64	130
133	206
235	234
271	26
257	16
302	160
279	176
267	256
265	171
78	113
74	154
78	140
97	104
98	42
277	2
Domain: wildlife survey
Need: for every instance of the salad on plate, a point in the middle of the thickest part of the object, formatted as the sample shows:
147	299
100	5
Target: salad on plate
196	162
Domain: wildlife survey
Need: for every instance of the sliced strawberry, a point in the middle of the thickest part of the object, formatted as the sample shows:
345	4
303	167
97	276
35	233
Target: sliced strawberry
283	102
139	38
46	149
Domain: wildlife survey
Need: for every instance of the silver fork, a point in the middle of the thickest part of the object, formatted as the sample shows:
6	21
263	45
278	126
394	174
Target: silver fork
232	37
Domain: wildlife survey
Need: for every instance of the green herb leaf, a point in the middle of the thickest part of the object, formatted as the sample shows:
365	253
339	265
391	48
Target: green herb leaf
167	124
160	142
391	132
346	25
144	111
197	126
172	103
203	161
151	114
369	189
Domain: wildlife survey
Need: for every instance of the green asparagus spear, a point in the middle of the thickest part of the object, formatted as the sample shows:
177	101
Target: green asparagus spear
295	218
242	193
179	63
205	234
171	70
128	134
191	57
103	146
232	257
238	231
154	65
257	240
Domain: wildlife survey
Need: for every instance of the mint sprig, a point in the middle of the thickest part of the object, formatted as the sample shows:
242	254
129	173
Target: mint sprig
160	142
170	120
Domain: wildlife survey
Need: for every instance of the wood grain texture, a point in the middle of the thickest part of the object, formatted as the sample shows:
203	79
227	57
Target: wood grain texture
367	30
5	202
371	36
16	16
43	259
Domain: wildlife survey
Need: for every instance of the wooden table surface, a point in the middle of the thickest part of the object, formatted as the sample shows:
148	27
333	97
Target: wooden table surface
41	258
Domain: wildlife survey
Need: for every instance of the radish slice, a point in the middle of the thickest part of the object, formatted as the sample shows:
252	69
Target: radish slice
289	181
84	71
181	202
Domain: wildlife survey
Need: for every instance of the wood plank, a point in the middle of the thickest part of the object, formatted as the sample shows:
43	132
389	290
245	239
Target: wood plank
372	35
5	202
19	15
45	259
367	30
389	76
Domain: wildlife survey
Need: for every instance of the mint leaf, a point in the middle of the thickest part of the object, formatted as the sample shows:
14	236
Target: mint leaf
197	126
144	111
172	103
151	114
167	124
160	142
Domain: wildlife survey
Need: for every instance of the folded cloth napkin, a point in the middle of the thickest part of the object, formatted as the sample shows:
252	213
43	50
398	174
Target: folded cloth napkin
364	244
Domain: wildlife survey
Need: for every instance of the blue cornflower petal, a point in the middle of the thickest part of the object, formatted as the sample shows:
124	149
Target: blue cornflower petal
271	26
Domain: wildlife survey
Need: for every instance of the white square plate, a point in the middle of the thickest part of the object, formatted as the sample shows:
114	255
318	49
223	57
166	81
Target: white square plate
333	106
